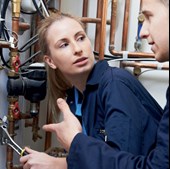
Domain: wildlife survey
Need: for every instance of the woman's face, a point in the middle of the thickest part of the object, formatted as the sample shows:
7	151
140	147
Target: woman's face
156	28
70	48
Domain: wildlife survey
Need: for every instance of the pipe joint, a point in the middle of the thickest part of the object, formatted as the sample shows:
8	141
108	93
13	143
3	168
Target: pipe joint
16	8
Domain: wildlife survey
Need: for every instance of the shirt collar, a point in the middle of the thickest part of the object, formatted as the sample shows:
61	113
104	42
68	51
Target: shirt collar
97	72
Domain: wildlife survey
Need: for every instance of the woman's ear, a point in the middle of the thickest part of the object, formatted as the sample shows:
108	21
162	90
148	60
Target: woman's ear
49	61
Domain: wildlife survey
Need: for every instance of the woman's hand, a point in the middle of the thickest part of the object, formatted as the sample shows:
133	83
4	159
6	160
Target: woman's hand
40	160
68	128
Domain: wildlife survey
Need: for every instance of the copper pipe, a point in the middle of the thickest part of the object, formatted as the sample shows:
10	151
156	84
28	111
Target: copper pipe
112	37
15	28
48	134
11	125
113	24
93	20
125	25
101	28
34	124
4	44
14	55
85	8
23	26
35	128
98	26
13	64
145	65
90	20
25	115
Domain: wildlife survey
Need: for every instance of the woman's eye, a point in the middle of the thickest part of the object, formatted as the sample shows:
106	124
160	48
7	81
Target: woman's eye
63	45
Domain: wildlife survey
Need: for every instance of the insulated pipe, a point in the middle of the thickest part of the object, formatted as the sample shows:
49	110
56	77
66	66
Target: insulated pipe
112	37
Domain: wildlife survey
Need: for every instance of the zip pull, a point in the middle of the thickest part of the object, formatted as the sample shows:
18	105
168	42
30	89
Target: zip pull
102	131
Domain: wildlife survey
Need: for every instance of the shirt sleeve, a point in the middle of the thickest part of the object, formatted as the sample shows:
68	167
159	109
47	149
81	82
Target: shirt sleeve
89	153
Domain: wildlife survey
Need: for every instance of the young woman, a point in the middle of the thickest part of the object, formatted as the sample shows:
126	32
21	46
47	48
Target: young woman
110	103
156	30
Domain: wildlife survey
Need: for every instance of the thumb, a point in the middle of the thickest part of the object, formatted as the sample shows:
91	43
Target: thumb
63	106
49	127
29	150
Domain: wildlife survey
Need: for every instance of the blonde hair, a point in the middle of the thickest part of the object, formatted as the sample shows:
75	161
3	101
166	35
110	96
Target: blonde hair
57	83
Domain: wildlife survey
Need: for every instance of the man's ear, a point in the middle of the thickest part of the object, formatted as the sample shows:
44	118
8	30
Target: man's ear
49	61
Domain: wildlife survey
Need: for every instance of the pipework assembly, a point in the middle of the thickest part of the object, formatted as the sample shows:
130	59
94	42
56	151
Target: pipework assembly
28	79
31	85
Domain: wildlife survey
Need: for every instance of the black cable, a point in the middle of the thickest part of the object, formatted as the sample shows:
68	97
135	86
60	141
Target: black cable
4	31
29	43
3	13
3	60
38	9
28	13
46	6
34	55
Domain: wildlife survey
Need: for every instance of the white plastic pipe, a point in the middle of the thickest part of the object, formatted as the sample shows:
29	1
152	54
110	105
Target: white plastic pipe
28	6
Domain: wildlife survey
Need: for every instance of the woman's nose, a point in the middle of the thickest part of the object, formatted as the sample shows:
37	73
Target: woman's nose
77	48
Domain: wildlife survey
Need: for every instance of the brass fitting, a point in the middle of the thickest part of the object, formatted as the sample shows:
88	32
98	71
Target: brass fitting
16	8
12	100
137	71
141	18
14	63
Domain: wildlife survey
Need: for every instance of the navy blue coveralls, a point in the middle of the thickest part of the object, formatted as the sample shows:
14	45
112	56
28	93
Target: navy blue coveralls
117	109
89	153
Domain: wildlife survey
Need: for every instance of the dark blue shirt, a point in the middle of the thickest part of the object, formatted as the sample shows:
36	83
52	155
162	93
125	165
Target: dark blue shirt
89	153
117	109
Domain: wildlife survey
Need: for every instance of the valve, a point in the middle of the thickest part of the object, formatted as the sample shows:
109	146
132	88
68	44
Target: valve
31	85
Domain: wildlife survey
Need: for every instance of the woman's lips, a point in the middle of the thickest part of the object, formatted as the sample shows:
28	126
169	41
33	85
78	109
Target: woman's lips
81	61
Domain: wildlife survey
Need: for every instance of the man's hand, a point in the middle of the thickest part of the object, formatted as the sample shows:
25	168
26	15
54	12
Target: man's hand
68	128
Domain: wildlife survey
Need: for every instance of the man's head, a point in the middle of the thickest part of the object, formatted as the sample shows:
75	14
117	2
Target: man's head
156	27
